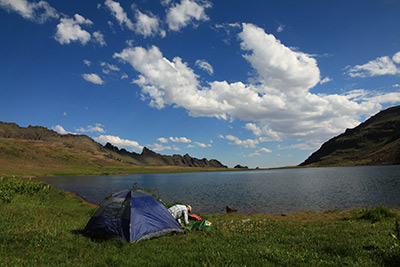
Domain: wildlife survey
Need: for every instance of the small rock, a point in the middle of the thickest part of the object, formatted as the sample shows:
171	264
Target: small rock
229	209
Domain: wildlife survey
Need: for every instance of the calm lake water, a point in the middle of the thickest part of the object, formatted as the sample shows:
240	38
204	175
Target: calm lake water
264	191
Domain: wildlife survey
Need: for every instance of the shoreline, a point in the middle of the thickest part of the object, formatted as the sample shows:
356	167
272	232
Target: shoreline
84	201
283	215
300	214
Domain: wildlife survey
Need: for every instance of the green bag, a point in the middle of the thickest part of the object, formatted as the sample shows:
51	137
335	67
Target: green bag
202	225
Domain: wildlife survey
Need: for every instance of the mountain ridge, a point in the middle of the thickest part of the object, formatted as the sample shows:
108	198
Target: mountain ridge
373	142
108	151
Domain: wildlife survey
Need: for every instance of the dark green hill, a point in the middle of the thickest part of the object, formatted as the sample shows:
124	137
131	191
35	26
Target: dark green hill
14	138
374	142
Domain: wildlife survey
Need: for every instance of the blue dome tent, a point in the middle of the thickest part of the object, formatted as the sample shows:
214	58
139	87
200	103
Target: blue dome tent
133	216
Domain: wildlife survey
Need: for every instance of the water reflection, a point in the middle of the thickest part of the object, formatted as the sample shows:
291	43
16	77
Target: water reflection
271	191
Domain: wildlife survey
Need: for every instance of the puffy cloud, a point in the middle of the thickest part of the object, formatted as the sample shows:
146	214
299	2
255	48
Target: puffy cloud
87	62
117	141
180	140
245	143
107	67
204	65
93	78
147	25
280	28
168	82
163	140
202	145
37	11
254	128
158	147
180	15
326	80
69	30
396	58
302	146
97	128
279	68
278	105
59	129
380	66
385	98
259	151
119	14
99	37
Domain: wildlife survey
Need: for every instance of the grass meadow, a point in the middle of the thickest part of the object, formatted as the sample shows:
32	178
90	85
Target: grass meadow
41	226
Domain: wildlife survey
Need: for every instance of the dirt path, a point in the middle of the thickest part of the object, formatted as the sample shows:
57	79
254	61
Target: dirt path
83	200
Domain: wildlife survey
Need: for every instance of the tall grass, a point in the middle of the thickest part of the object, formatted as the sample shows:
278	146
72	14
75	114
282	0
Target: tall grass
377	214
10	187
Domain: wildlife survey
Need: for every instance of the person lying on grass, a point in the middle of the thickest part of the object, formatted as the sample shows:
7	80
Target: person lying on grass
179	211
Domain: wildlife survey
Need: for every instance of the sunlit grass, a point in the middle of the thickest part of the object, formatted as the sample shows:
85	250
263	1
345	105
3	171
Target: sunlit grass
40	158
44	228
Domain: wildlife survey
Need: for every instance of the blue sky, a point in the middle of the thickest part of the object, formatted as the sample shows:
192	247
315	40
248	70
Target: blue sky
256	83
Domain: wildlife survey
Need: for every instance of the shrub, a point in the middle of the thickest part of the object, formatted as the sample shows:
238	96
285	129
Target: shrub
377	214
9	187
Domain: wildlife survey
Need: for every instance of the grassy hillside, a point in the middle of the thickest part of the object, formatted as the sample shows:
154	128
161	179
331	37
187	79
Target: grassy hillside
41	226
108	152
42	158
374	142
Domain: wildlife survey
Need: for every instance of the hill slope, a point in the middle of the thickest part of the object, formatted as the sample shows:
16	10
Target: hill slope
374	142
39	146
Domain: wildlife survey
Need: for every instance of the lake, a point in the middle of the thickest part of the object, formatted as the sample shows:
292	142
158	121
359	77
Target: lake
261	191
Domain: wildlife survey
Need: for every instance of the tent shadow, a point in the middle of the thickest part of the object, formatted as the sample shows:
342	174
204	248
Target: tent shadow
77	232
98	238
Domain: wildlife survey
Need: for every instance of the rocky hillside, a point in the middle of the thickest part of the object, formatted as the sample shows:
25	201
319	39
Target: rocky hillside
374	142
109	152
151	158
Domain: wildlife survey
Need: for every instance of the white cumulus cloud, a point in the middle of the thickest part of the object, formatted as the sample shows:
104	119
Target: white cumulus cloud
118	142
279	67
99	37
396	58
158	147
97	128
326	80
69	30
147	25
202	145
204	65
380	66
180	140
245	143
36	11
163	140
277	105
87	62
258	152
119	13
107	67
180	15
280	28
59	129
93	78
302	146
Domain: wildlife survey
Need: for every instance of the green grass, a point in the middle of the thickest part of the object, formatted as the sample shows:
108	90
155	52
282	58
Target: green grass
41	225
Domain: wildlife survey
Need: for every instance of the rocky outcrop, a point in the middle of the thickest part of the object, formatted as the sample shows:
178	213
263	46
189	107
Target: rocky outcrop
153	158
240	167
